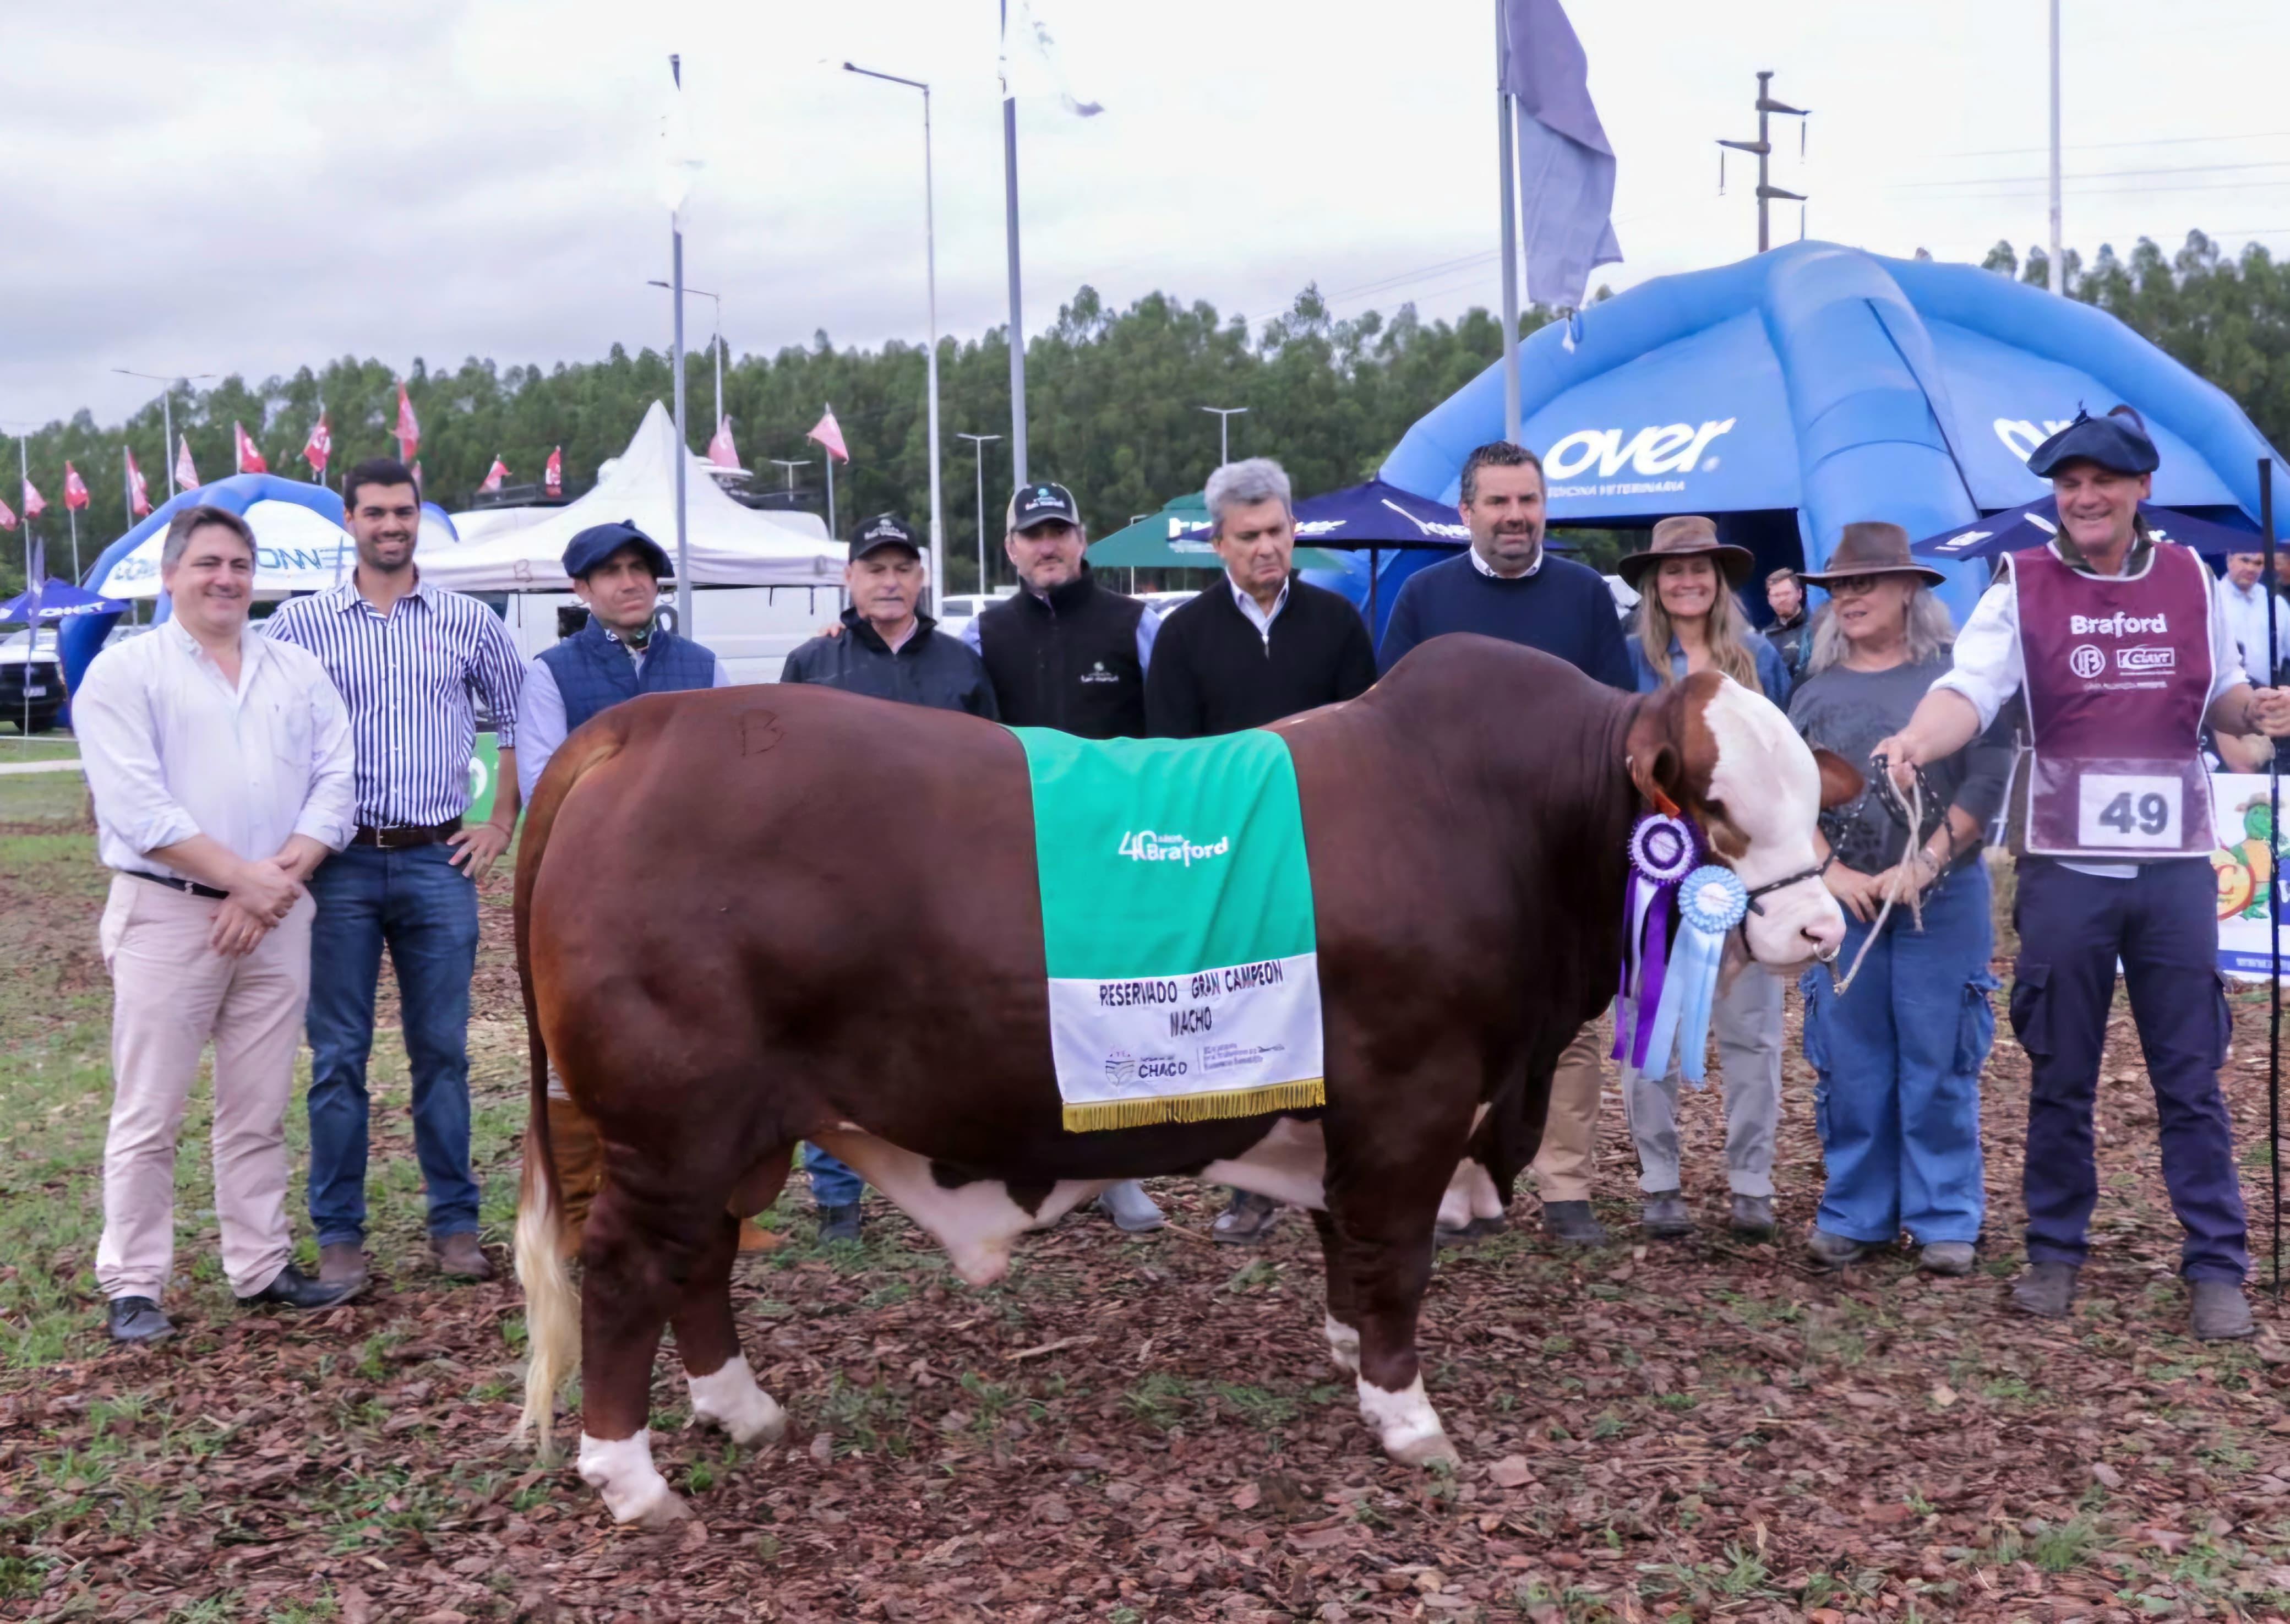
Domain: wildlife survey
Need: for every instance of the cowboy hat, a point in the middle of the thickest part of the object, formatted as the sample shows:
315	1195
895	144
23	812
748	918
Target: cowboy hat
1690	536
1871	547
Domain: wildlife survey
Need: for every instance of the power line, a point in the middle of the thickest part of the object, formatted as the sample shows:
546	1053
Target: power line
2162	141
2097	175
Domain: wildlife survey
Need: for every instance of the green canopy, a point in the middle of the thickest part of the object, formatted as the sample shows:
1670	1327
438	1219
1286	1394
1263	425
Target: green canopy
1159	542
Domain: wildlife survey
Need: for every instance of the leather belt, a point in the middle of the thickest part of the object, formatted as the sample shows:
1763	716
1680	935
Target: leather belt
400	836
189	887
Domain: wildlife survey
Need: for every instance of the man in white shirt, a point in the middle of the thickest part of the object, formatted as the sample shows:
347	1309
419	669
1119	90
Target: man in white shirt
221	764
2244	600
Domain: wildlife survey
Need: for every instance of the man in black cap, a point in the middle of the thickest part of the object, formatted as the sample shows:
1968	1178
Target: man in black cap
1067	652
886	648
2120	644
616	571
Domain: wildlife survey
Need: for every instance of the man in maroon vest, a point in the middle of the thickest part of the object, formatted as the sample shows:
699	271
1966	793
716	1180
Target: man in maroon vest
2121	645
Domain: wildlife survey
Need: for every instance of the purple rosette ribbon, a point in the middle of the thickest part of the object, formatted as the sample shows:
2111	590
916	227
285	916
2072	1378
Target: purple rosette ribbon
1663	850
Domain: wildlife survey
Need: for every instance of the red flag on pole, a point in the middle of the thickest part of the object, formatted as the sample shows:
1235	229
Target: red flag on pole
139	494
185	475
7	517
75	489
320	446
248	454
552	479
830	434
409	431
494	476
720	450
34	504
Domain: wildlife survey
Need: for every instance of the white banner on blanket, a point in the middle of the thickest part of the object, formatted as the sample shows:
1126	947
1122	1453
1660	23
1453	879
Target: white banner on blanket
1238	1028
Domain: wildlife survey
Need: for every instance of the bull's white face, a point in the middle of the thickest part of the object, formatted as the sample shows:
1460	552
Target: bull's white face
1769	787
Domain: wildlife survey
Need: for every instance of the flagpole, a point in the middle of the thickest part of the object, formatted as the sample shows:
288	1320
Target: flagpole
1507	160
829	460
683	445
930	275
2273	882
1010	219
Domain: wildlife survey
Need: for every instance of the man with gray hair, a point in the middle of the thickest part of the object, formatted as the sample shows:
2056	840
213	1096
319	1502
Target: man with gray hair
1260	646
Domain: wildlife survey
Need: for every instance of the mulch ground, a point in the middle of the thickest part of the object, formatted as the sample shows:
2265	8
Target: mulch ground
1148	1429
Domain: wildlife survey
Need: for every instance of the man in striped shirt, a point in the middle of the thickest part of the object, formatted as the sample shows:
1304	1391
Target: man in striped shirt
407	658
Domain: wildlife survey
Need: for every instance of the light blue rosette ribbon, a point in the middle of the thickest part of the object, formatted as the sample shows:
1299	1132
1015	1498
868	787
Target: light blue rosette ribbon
1711	901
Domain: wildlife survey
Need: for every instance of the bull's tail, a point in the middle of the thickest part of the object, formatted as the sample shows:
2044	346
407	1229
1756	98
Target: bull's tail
552	1304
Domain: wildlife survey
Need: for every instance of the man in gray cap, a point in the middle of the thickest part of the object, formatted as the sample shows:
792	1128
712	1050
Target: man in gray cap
2119	643
616	571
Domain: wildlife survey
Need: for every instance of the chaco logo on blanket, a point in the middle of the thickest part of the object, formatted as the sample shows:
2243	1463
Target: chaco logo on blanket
1145	846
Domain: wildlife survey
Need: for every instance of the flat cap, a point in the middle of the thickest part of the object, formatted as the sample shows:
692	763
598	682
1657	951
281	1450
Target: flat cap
2118	441
599	542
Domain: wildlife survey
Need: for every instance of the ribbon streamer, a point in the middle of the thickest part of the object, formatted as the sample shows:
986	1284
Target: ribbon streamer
1711	901
1662	852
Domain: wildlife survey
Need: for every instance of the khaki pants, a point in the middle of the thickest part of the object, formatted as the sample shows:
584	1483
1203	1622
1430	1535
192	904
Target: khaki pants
1746	1017
170	995
1570	1131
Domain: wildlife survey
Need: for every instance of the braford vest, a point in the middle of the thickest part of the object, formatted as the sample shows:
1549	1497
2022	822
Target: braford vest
1068	661
2119	675
594	673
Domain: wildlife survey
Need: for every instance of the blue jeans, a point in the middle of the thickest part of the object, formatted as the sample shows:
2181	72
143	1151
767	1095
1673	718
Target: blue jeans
425	911
833	1183
1897	1104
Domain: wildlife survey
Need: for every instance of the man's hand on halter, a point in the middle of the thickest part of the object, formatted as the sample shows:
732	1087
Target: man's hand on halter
2270	711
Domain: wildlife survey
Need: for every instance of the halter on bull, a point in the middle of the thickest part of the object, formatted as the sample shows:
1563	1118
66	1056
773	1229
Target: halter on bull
1465	822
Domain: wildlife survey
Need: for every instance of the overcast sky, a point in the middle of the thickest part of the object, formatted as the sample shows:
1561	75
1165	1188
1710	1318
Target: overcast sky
247	187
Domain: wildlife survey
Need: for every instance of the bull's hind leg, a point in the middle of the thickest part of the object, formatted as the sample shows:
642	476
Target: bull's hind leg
724	1389
635	1259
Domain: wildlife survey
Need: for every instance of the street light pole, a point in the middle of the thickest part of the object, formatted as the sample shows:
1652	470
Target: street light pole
2058	268
166	417
717	344
1224	416
978	448
930	280
790	468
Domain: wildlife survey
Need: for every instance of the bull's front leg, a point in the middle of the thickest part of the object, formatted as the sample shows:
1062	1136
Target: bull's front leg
630	1263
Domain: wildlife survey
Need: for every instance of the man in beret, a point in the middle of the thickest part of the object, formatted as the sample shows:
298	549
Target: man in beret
616	571
2120	644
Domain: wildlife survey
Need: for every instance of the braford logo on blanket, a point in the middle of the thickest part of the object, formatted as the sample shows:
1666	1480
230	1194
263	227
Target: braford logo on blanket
1145	846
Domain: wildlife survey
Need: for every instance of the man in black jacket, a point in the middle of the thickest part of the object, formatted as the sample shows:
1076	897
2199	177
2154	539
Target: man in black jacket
1256	646
886	650
1067	653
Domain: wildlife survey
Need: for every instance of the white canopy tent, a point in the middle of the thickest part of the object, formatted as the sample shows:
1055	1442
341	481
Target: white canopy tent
731	546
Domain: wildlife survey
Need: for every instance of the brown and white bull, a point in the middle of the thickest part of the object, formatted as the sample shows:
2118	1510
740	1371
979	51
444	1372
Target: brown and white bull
719	893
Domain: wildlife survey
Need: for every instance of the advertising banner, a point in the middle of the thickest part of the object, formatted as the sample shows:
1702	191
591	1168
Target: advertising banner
2248	866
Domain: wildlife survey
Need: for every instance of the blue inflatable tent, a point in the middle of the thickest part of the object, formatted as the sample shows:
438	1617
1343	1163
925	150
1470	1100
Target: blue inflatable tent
1793	393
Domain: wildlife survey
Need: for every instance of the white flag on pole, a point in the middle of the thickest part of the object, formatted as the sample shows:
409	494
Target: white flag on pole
680	162
1031	65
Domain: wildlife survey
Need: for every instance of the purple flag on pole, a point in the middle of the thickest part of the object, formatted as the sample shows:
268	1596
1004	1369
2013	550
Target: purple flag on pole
1565	166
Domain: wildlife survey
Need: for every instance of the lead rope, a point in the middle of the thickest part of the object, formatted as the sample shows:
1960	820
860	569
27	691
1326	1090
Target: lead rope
1916	807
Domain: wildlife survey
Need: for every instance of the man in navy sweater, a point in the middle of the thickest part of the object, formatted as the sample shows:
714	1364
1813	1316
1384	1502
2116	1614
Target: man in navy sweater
1507	586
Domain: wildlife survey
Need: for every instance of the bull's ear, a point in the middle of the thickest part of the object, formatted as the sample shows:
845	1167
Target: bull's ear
1840	780
1659	772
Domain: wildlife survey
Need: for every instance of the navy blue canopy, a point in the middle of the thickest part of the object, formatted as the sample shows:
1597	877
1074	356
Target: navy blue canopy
60	600
2015	528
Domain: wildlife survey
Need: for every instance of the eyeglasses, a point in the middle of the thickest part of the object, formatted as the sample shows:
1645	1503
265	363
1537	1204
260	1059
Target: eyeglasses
1854	586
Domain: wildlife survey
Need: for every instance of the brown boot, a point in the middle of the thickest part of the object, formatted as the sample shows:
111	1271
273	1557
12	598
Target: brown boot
580	1157
343	1263
460	1257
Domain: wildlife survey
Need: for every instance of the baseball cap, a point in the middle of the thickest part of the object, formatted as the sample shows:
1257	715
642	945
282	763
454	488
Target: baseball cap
884	529
1038	504
599	542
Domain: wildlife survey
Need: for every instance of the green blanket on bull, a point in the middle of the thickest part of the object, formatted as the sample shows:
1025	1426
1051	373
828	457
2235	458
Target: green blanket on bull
1177	926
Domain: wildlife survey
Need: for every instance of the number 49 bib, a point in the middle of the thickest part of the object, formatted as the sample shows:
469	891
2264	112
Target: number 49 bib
2082	807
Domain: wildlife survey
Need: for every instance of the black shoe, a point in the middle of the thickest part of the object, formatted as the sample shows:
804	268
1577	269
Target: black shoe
839	1223
1246	1220
137	1319
1571	1223
293	1289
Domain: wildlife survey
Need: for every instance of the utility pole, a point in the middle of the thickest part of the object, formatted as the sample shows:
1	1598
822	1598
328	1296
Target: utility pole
1764	148
978	450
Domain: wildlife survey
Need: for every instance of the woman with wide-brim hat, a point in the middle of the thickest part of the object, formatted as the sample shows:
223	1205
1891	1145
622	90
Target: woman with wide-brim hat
1897	1057
1687	620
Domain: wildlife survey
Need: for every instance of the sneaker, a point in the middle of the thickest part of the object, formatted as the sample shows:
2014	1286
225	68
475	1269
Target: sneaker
1131	1209
1950	1258
1246	1220
839	1223
136	1319
2046	1289
1664	1215
1571	1224
1831	1250
2221	1313
1753	1217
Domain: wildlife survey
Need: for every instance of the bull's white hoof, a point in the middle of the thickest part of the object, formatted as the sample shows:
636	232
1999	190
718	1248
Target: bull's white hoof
731	1399
1407	1424
621	1469
1343	1346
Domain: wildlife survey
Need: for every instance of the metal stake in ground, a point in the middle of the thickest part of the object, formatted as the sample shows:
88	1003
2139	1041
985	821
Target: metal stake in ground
2274	891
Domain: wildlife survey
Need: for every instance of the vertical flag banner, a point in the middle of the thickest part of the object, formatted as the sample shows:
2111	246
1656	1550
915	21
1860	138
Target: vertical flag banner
34	504
720	450
409	431
75	489
1565	164
320	446
552	477
185	475
830	434
248	455
139	494
1031	65
494	476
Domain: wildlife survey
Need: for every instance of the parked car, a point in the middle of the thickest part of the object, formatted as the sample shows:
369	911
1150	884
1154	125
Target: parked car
958	610
31	681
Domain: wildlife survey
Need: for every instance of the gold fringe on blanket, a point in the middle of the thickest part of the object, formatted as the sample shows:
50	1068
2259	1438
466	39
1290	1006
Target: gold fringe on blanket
1097	1115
